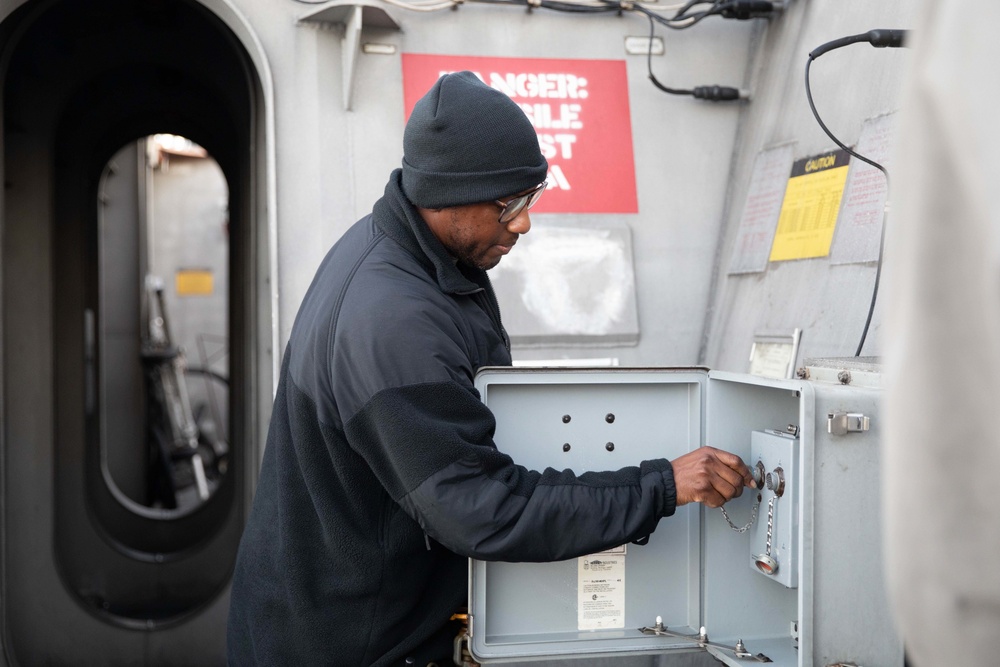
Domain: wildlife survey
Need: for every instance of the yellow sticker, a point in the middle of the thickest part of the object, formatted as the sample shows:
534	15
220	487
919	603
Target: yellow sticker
810	207
194	282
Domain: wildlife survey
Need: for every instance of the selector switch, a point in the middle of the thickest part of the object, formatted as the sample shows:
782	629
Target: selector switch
758	474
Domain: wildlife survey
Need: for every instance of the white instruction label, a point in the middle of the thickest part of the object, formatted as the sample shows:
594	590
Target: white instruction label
601	590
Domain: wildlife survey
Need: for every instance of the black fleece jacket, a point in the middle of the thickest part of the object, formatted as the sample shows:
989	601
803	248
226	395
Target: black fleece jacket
380	475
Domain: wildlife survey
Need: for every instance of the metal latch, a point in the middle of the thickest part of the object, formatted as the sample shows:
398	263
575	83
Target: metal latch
842	423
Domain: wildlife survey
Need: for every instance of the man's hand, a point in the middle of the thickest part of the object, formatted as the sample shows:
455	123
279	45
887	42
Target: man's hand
709	476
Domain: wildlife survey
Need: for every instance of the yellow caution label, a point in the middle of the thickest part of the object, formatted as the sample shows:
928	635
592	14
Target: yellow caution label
194	282
809	210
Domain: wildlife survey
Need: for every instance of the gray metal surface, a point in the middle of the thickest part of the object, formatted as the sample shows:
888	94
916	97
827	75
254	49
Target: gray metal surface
569	286
120	211
644	414
315	168
681	147
828	302
854	622
58	560
696	570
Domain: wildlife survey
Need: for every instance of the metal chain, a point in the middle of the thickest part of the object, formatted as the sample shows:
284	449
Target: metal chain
770	523
753	517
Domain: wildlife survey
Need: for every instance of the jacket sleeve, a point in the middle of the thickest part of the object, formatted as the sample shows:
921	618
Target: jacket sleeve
402	377
431	447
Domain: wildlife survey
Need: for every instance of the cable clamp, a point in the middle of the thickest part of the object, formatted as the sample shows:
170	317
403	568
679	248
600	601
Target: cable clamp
626	5
535	4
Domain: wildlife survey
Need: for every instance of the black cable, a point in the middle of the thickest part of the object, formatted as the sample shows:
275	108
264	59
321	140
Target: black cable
708	93
578	9
691	19
830	134
881	39
649	59
557	5
690	5
741	10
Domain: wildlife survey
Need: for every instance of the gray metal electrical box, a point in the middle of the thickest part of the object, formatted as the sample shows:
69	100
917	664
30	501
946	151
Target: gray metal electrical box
810	593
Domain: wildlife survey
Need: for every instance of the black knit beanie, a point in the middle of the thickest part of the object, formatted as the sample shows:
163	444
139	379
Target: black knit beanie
467	143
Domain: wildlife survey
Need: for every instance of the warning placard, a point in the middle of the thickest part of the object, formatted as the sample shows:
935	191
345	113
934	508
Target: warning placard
193	282
862	214
761	210
580	111
601	590
810	207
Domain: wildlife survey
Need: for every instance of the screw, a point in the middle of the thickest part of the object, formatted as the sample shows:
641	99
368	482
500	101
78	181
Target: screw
566	447
610	418
566	419
610	446
844	377
802	373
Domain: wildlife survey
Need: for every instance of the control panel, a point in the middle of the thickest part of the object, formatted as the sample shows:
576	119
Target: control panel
756	581
774	537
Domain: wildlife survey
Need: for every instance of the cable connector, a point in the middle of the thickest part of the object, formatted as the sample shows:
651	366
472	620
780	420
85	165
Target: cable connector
719	93
882	38
742	10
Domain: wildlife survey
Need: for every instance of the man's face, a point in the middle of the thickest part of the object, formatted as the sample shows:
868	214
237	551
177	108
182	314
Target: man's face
473	234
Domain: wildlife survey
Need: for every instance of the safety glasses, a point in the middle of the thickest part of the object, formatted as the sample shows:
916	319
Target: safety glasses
512	208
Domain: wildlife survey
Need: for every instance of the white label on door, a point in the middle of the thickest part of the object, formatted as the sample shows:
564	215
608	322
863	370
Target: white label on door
601	590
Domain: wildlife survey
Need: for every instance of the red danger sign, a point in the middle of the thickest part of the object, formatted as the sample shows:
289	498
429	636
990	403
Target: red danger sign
580	111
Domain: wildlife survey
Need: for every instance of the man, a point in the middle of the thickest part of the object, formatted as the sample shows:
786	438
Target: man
380	475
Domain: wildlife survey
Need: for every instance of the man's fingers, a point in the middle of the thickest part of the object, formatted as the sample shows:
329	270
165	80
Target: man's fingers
728	482
736	464
709	476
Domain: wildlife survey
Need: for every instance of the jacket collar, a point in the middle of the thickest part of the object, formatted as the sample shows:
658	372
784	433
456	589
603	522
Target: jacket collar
400	220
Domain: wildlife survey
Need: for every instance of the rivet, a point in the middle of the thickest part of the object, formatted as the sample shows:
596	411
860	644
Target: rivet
566	419
566	447
610	418
610	446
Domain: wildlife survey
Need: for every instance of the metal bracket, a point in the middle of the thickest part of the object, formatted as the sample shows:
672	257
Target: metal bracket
353	15
701	639
842	423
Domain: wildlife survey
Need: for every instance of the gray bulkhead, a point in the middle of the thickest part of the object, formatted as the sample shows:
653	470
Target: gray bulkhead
265	86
